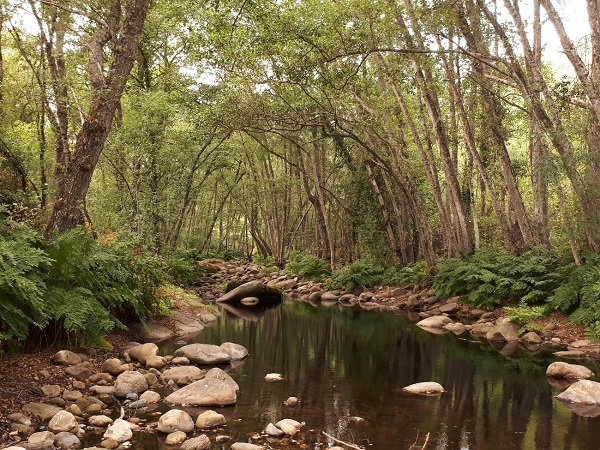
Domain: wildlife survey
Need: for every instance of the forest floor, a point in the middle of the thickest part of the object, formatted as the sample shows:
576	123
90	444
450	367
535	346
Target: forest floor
23	375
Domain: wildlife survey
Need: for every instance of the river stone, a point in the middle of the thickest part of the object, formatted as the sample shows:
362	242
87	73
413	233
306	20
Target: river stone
150	397
66	358
287	428
119	431
80	371
272	430
236	352
142	352
291	401
180	361
42	411
100	421
456	328
210	419
531	338
177	374
51	390
101	377
41	436
449	308
425	388
175	420
250	301
114	366
19	418
72	396
434	322
102	390
481	327
204	354
215	389
65	440
130	381
505	331
201	442
291	422
582	391
156	362
329	297
175	438
251	289
565	370
245	446
62	421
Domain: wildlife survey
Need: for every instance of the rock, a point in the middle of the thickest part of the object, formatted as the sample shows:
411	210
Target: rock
287	428
176	438
100	421
72	396
329	297
119	431
66	440
150	397
102	390
201	442
291	422
62	421
245	446
204	354
480	328
43	411
51	390
286	285
80	371
215	389
74	409
130	381
210	419
449	308
19	418
434	322
175	420
142	352
583	391
110	443
181	361
156	362
424	388
291	401
137	404
114	366
566	370
272	430
178	373
251	289
477	313
65	358
101	377
531	338
236	352
273	377
456	328
41	436
505	331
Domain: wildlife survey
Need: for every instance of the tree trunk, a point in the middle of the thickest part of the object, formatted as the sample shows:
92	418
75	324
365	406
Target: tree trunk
106	95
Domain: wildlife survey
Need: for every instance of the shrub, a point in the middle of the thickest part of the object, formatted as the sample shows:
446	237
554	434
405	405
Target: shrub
525	315
307	266
181	268
361	273
410	275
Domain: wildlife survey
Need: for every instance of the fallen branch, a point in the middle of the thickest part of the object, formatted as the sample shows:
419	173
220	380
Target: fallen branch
337	441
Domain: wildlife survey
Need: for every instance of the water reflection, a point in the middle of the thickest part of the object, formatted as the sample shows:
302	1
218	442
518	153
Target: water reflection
344	364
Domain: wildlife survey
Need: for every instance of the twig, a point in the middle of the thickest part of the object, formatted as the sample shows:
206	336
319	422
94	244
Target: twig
337	441
426	441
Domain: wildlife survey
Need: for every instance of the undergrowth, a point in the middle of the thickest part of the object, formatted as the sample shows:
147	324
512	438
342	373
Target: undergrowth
363	273
307	266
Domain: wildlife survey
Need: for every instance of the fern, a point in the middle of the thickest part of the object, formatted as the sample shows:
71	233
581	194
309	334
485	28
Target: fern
361	273
307	266
410	275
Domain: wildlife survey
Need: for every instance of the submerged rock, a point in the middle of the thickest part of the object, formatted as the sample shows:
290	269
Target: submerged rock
175	420
505	331
434	322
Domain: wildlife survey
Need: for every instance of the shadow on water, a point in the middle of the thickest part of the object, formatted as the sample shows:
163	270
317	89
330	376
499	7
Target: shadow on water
343	364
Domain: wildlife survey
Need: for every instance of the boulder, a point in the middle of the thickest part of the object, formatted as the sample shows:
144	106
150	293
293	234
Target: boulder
215	389
176	438
62	421
583	391
41	436
201	442
251	289
177	374
100	421
80	371
329	297
175	420
250	301
156	362
236	352
130	381
565	370
504	331
449	308
65	358
150	397
204	354
142	352
424	388
119	431
114	366
531	338
272	430
51	390
65	440
434	322
210	419
291	422
43	411
180	361
456	328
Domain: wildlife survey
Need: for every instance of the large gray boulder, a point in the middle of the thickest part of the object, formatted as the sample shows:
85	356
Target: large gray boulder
583	391
215	389
565	370
130	382
175	420
251	289
182	374
504	331
204	354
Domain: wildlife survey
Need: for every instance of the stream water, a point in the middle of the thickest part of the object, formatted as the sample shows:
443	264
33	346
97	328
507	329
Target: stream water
344	364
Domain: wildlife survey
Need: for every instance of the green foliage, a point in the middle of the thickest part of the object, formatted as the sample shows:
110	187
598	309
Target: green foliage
410	275
224	254
264	260
526	315
491	276
579	294
363	272
181	268
307	266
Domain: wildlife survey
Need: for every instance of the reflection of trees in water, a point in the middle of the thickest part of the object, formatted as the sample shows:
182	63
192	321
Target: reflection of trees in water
341	362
